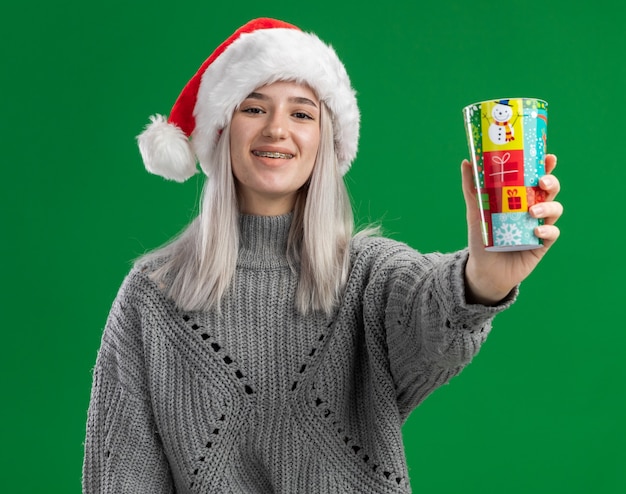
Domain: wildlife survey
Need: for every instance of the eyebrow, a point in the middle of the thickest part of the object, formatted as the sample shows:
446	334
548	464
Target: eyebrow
294	99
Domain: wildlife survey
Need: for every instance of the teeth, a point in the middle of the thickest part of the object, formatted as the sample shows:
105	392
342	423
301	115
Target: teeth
267	154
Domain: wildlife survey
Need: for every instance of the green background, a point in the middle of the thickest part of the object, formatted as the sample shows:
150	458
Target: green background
541	410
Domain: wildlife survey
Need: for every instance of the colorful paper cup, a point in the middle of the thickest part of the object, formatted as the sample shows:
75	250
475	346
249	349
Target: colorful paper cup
507	143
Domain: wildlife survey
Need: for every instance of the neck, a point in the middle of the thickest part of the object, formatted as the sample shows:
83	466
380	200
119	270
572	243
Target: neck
266	205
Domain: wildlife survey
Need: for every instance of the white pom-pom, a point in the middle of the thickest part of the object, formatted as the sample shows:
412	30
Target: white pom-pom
166	151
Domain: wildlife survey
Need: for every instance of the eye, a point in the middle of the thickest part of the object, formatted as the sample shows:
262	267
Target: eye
252	110
302	115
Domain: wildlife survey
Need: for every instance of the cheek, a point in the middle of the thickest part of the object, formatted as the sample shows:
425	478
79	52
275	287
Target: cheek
313	143
237	166
236	161
236	150
238	135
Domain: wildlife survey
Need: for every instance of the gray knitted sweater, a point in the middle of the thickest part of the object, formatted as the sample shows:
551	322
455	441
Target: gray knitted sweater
261	399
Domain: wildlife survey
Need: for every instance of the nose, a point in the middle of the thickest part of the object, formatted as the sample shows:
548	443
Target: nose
276	126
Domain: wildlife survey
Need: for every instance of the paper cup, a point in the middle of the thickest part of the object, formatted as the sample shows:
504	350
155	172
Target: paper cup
507	143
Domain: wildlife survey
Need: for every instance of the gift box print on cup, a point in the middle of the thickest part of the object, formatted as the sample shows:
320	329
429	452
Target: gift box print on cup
507	142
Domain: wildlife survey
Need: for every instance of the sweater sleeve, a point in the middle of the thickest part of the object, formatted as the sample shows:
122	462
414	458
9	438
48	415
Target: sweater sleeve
123	451
432	333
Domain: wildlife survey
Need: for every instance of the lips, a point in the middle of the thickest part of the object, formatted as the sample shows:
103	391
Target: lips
272	154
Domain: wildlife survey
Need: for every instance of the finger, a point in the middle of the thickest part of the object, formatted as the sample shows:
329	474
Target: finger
548	233
551	185
550	163
550	211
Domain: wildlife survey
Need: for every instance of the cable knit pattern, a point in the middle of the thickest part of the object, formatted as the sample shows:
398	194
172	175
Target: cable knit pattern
261	399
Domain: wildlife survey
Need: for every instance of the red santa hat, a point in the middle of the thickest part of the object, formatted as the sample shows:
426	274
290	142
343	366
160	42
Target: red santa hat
260	52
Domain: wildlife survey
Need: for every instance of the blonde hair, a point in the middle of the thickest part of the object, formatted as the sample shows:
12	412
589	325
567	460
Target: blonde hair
199	265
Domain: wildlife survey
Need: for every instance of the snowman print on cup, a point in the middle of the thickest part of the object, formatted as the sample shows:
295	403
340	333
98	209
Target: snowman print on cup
501	128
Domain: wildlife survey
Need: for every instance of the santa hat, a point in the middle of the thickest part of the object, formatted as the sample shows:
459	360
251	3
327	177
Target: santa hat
260	52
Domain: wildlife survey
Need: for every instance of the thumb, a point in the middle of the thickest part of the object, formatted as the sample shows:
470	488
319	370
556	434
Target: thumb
474	221
469	191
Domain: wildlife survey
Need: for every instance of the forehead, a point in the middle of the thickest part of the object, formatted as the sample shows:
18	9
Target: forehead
288	89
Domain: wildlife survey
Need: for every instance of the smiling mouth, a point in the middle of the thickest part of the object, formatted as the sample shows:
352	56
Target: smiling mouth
267	154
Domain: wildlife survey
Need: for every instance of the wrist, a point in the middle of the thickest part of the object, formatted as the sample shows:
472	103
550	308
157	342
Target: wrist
480	289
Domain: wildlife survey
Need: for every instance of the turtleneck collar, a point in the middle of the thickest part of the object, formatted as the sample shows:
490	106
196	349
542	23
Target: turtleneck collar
263	240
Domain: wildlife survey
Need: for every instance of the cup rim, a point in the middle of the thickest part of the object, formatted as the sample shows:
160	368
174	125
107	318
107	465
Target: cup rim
498	99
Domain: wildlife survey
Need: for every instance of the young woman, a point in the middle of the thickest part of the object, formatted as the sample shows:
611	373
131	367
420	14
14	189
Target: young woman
270	348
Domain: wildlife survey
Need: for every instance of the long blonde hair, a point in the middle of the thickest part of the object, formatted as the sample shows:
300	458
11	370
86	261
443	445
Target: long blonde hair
198	266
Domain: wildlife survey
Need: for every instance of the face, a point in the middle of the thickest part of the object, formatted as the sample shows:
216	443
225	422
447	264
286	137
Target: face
274	138
502	112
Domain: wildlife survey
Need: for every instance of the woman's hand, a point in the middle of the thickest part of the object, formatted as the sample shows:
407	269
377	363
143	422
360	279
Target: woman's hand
490	276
